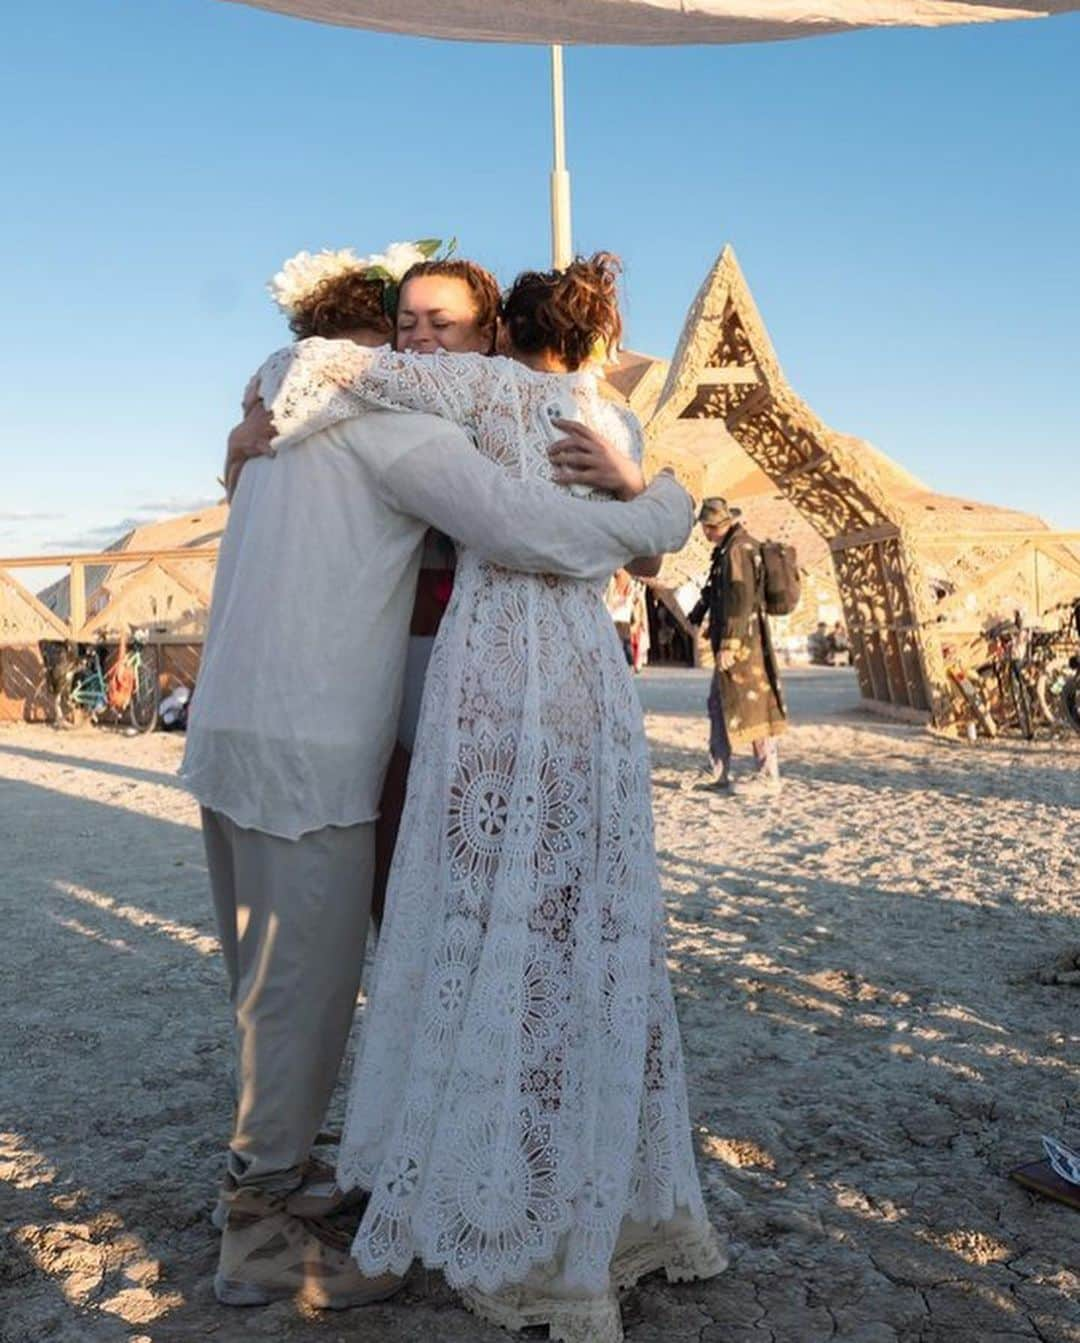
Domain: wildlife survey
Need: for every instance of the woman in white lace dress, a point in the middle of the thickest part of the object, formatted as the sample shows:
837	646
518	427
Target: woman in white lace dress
518	1108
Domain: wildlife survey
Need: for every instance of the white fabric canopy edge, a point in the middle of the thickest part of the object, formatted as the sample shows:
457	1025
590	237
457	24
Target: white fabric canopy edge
649	22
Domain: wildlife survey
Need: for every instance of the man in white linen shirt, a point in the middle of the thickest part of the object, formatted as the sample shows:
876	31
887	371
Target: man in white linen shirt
291	728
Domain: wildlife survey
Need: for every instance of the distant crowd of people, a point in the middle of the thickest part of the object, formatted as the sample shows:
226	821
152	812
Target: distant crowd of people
829	647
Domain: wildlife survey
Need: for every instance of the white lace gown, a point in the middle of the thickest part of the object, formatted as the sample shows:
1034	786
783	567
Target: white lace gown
518	1098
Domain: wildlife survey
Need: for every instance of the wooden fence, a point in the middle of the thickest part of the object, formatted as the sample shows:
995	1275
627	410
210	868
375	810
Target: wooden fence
25	620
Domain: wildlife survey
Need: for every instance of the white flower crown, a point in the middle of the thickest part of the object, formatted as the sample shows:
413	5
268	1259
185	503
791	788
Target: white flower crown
303	273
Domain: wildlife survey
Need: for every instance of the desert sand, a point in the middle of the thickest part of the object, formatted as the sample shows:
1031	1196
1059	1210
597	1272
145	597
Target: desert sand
861	970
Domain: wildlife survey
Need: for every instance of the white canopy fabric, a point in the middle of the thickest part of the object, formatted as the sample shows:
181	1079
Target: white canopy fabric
650	22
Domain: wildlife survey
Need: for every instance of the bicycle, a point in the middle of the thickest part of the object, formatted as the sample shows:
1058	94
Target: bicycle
1009	644
87	688
1054	668
998	692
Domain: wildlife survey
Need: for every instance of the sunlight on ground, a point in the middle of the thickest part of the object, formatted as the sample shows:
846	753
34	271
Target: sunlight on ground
141	918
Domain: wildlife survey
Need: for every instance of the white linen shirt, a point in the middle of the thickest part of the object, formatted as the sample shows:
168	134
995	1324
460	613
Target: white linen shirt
296	708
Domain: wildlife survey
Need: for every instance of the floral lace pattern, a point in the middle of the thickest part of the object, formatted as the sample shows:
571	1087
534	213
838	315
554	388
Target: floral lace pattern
519	1089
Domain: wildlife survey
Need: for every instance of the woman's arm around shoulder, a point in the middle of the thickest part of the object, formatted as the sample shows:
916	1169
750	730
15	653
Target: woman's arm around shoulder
327	381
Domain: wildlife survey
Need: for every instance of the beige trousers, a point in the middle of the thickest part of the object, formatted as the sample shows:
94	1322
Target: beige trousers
293	919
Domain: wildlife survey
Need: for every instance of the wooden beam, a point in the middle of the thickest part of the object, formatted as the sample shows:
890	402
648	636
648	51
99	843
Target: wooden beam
109	557
804	468
887	626
755	402
1035	581
884	531
728	375
200	594
915	695
763	399
77	598
1065	559
988	576
869	646
1018	534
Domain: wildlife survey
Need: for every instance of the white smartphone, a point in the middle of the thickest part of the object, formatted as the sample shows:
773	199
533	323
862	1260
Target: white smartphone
563	406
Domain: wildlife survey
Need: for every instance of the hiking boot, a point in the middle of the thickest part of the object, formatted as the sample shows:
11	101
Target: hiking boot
267	1255
318	1195
760	784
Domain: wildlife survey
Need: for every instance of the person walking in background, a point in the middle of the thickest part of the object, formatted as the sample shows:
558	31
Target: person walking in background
639	628
746	702
619	600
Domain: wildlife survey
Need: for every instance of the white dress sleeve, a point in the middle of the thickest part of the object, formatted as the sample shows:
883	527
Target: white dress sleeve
326	381
635	435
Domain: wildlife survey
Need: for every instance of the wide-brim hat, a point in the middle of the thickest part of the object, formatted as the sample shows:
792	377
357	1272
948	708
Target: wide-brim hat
715	510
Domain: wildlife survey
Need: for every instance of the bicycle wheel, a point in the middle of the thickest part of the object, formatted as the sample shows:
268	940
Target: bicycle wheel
1045	699
1070	702
146	697
1021	702
87	695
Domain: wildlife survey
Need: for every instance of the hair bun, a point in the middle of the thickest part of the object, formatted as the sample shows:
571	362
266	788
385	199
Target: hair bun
569	312
601	269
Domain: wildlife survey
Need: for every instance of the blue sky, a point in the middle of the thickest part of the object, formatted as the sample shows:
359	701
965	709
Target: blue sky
904	204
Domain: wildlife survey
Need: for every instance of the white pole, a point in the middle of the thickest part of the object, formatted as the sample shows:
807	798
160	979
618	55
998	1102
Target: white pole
562	248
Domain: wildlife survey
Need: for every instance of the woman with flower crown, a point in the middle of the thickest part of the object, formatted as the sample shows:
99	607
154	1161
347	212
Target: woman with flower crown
518	1107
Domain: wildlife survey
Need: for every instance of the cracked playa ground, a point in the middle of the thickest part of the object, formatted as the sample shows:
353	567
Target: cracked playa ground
870	1048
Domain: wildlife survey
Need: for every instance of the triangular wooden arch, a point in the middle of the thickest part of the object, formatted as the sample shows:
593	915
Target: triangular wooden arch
725	368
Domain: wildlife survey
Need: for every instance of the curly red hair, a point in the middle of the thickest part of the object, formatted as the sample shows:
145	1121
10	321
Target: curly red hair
567	312
341	304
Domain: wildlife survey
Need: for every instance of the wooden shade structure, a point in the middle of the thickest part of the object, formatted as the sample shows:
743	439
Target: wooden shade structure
158	577
651	22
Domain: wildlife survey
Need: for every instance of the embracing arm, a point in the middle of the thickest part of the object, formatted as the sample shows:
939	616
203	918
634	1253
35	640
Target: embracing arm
584	457
645	566
530	525
320	382
704	602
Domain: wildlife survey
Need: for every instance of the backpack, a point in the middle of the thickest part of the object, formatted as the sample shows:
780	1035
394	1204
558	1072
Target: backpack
780	577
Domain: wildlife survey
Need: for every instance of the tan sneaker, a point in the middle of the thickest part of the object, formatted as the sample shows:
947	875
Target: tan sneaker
319	1195
267	1255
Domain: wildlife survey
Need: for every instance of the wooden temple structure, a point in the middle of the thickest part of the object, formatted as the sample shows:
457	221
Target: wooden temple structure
918	574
